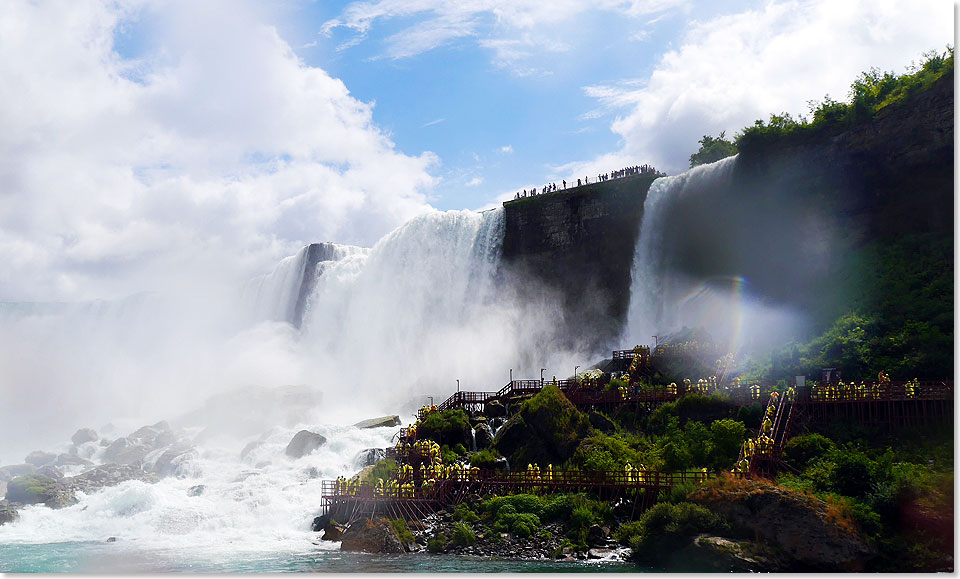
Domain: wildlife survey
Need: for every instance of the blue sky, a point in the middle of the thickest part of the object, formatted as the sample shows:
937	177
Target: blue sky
149	143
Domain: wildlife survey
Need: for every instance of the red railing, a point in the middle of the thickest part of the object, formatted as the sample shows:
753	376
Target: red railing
850	392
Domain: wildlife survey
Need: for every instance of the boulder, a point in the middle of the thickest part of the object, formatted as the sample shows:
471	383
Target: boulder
332	532
304	443
10	471
597	535
84	435
371	537
382	421
705	553
196	490
72	460
31	489
483	436
126	451
495	409
8	512
601	422
368	456
40	458
108	475
545	430
50	471
154	436
172	461
801	527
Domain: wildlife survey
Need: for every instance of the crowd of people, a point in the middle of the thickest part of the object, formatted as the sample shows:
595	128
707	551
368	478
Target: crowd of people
617	174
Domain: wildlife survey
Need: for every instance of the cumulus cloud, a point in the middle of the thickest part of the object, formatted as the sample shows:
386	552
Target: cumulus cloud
211	154
734	69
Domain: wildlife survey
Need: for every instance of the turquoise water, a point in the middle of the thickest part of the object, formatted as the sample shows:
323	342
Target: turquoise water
99	557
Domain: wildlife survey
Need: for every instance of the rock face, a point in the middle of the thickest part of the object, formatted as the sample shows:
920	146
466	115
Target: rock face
84	435
13	470
8	512
71	460
368	457
586	234
371	537
483	435
802	528
173	460
547	430
379	422
40	458
107	475
707	553
31	489
303	443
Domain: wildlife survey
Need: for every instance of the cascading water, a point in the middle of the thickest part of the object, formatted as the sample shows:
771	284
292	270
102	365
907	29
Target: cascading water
690	261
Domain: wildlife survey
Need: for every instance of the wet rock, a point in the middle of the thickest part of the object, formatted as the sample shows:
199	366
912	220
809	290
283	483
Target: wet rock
371	537
126	451
333	531
8	512
599	553
312	472
84	435
707	553
111	539
304	443
14	470
51	471
40	458
368	456
196	490
107	475
72	460
601	422
392	420
174	459
319	522
483	436
32	489
597	535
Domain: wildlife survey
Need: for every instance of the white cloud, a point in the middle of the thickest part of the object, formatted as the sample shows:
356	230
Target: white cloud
734	69
507	149
513	30
214	153
474	182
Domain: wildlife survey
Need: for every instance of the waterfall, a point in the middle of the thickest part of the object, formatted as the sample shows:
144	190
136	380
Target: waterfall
282	294
656	296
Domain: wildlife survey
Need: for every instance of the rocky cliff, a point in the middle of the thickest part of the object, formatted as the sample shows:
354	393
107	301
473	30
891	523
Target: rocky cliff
578	244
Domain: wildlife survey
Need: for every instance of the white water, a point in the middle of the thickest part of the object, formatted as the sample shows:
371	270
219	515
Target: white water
409	317
663	301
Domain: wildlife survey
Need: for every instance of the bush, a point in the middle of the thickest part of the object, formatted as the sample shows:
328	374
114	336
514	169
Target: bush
801	450
486	458
851	474
463	535
400	526
661	527
463	513
438	544
386	469
450	427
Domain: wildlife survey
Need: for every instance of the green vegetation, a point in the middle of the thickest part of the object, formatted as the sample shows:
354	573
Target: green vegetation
31	488
450	428
660	529
463	535
463	513
869	94
713	149
437	544
523	514
386	469
901	495
400	526
486	458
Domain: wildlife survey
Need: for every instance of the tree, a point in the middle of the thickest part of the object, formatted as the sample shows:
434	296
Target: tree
713	149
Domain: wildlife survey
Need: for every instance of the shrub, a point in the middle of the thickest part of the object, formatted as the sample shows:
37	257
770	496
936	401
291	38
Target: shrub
459	449
463	513
438	544
486	458
450	427
400	526
660	528
801	450
851	476
386	469
463	535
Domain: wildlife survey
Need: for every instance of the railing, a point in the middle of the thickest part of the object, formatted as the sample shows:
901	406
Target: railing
461	398
849	392
545	481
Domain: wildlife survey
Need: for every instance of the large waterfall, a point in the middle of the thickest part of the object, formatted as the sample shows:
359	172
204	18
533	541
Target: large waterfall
690	270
